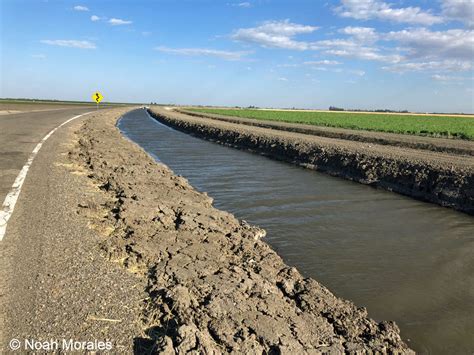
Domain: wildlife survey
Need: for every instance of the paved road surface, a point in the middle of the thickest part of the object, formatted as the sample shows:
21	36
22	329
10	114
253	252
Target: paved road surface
54	283
19	134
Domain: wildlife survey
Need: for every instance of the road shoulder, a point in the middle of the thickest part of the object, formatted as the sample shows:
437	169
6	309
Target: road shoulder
55	282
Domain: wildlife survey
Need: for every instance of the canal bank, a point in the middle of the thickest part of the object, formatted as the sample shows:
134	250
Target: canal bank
445	145
426	175
213	285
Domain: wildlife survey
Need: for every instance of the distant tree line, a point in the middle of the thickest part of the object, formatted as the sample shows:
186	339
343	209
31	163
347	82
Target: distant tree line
386	110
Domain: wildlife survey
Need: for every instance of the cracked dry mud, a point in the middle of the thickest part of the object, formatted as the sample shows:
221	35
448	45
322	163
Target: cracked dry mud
213	285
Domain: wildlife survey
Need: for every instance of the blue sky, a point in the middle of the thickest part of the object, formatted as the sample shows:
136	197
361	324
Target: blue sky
415	55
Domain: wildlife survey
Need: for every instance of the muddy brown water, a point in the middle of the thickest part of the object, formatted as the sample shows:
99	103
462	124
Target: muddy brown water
402	259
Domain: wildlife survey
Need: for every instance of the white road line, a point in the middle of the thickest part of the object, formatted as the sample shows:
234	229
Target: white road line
11	198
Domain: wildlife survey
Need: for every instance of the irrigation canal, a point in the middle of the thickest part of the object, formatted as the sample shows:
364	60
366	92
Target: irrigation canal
402	259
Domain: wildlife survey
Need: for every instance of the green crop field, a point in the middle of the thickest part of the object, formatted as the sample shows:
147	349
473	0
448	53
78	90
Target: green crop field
426	125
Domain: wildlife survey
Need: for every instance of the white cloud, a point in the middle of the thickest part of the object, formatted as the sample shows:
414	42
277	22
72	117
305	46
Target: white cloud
377	9
439	77
360	44
282	79
146	33
411	49
460	10
322	62
361	34
95	18
356	72
275	34
69	43
422	43
439	66
415	49
38	56
242	4
119	22
364	53
351	48
288	65
227	55
338	70
81	8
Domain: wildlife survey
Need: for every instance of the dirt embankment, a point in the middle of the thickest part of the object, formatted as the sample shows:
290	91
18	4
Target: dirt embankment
213	286
453	146
441	178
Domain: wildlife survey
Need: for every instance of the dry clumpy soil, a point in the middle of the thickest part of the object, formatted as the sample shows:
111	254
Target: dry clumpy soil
212	285
446	145
443	177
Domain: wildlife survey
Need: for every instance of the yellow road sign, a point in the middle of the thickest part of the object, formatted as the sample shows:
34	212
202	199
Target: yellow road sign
97	97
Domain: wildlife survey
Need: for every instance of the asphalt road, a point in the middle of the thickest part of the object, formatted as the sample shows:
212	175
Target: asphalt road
54	283
19	134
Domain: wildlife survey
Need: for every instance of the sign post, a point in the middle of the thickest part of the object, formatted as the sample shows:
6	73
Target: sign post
97	97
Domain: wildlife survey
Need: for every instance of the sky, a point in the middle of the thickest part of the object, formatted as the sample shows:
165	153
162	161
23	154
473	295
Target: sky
415	55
